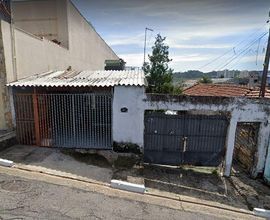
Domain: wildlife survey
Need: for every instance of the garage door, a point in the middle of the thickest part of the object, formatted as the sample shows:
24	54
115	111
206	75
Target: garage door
64	120
184	139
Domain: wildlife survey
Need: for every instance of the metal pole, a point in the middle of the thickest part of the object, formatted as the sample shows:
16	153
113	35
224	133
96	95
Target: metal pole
265	65
144	46
145	33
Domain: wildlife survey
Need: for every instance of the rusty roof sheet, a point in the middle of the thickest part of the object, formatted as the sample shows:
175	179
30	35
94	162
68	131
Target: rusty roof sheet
103	78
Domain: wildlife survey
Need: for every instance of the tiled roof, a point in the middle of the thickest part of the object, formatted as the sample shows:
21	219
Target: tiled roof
103	78
223	90
255	93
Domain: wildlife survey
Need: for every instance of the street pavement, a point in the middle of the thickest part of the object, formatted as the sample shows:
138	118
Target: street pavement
22	198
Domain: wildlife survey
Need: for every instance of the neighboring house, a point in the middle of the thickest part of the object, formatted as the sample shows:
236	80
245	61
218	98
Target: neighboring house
46	35
223	90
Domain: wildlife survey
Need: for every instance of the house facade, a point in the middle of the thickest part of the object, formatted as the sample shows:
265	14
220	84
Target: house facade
79	109
46	35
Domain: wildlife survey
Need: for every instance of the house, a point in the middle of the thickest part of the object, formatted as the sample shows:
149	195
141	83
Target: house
78	109
224	90
59	95
45	35
95	109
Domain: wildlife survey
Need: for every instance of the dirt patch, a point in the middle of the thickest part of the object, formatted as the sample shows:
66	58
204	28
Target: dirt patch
87	158
125	162
255	192
201	183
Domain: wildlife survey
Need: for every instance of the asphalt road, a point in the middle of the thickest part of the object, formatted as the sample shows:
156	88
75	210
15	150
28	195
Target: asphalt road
30	199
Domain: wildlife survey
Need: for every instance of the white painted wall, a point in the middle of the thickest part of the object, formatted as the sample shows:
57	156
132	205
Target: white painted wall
267	167
128	127
87	50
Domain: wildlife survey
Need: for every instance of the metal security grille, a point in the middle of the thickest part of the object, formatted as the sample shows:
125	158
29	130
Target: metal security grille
184	139
246	144
25	124
68	120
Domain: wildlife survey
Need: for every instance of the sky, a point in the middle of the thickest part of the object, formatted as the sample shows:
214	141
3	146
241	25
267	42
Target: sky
202	35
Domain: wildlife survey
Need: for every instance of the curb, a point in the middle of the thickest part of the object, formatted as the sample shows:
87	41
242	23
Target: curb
132	187
261	212
141	190
6	163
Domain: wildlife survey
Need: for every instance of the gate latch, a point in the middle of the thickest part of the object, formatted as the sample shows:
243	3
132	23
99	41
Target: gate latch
185	144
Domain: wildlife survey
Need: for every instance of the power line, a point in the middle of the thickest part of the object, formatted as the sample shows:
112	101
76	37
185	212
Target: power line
243	51
232	49
257	52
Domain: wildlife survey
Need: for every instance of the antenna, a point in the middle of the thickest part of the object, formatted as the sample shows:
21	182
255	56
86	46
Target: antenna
145	33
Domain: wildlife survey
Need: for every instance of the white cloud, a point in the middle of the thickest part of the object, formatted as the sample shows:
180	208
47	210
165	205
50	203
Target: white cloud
189	58
135	59
201	46
114	40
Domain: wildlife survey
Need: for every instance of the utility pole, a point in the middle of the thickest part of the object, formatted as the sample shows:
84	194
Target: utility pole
145	33
265	65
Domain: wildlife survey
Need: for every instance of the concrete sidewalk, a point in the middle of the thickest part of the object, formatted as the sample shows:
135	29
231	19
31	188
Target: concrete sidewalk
199	210
52	160
195	185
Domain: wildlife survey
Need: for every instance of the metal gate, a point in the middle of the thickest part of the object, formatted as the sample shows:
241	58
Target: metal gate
184	139
245	148
64	120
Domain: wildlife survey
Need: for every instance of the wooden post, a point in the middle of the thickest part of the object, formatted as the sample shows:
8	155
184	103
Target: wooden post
36	117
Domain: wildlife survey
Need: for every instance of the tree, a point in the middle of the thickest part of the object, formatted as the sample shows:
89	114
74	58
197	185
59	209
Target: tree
205	79
158	73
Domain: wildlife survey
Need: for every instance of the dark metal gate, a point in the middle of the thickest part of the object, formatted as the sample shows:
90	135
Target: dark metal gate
184	139
64	120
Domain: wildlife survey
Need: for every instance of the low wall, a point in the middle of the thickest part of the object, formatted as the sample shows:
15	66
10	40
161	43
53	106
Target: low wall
129	126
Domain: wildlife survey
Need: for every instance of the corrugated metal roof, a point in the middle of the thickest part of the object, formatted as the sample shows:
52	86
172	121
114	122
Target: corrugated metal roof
103	78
